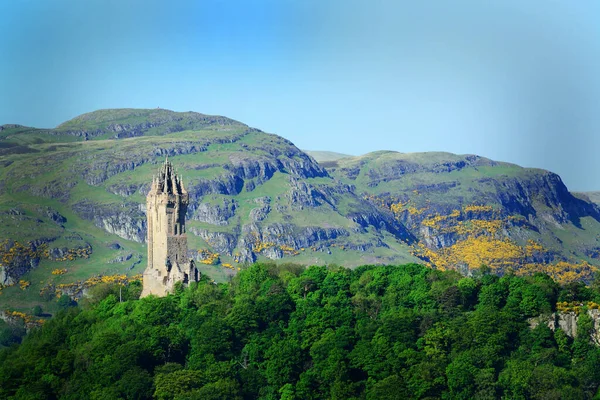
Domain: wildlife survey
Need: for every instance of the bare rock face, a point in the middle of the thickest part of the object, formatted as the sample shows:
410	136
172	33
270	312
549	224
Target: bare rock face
221	242
302	195
229	184
124	220
124	190
19	264
259	213
10	274
437	240
287	159
251	166
52	214
218	214
567	322
371	216
262	211
247	256
121	258
277	238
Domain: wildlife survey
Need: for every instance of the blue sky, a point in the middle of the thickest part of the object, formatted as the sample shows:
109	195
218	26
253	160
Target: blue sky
510	80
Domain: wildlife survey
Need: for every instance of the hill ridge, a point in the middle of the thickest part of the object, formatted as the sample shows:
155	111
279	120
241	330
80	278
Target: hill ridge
80	192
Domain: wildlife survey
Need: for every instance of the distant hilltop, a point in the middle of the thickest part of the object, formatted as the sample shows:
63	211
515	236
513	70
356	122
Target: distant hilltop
255	196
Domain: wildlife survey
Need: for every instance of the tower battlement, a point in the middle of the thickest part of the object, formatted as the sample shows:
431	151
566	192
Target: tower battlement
168	261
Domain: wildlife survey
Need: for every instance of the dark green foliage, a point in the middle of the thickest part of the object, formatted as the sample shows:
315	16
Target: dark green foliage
376	332
11	334
65	302
37	311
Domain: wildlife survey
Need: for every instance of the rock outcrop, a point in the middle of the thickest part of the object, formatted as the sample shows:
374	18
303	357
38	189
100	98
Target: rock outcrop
568	321
126	220
17	260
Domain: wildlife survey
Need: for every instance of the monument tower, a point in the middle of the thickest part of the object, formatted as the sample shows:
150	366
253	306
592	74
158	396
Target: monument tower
168	262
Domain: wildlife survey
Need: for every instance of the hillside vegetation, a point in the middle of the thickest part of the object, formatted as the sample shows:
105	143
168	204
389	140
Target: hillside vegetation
467	211
72	206
72	199
285	332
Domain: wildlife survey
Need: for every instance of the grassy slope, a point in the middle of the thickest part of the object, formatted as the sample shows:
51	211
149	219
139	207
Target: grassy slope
40	165
40	177
464	186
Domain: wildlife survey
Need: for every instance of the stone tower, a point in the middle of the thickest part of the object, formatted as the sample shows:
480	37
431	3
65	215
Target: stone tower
168	262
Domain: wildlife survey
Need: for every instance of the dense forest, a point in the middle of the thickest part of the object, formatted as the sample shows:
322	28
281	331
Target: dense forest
286	332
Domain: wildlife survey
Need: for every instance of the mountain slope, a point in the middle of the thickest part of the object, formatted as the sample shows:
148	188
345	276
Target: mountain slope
75	200
72	205
590	197
467	210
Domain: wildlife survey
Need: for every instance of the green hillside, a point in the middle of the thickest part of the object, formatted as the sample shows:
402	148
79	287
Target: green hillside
72	198
467	210
72	205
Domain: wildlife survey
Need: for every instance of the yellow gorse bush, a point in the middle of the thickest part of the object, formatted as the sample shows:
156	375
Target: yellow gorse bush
59	271
29	320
